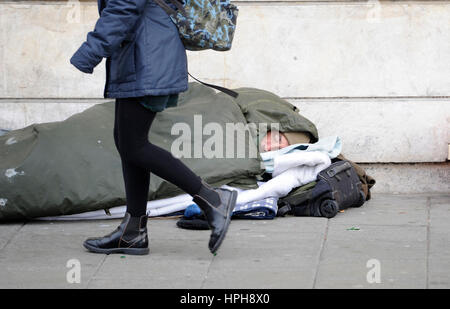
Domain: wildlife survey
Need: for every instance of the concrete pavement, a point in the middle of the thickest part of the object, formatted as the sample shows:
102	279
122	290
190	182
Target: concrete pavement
404	241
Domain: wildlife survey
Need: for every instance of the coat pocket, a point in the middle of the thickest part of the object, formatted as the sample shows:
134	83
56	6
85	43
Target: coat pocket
123	62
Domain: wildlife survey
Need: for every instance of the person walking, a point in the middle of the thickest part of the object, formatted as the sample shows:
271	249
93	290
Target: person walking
146	69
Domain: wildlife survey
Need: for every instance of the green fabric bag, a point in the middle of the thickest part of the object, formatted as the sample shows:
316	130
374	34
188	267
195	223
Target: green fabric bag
72	166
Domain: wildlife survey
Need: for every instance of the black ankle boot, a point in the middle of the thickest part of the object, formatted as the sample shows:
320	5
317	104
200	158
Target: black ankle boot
217	211
129	238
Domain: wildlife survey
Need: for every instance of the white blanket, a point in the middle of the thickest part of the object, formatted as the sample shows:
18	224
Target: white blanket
290	171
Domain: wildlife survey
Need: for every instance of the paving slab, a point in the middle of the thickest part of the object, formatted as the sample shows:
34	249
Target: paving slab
178	259
392	230
385	209
400	252
37	257
375	242
394	273
170	264
264	277
265	267
7	232
282	253
408	235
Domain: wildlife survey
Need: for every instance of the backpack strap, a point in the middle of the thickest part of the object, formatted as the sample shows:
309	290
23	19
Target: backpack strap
230	92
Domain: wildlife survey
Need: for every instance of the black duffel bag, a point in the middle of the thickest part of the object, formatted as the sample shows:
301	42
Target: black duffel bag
337	187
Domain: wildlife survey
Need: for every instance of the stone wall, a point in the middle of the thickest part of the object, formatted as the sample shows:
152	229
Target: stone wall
375	73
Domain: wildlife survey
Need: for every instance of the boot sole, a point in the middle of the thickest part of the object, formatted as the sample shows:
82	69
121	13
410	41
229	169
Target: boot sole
231	204
130	251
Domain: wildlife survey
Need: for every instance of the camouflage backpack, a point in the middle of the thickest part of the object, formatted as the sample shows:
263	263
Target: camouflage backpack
203	24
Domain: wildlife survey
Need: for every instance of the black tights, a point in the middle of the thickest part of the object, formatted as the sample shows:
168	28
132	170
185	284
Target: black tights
140	157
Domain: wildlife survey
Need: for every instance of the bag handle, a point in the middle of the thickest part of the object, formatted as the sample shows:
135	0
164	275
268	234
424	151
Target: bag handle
165	7
170	10
230	92
332	172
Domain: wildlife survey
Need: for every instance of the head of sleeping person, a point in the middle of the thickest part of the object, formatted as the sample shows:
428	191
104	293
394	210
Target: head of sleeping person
275	140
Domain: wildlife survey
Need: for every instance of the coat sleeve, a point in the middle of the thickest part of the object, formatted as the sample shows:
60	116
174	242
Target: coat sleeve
117	19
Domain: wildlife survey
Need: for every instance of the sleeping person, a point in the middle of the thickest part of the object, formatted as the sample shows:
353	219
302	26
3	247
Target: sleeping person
52	169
